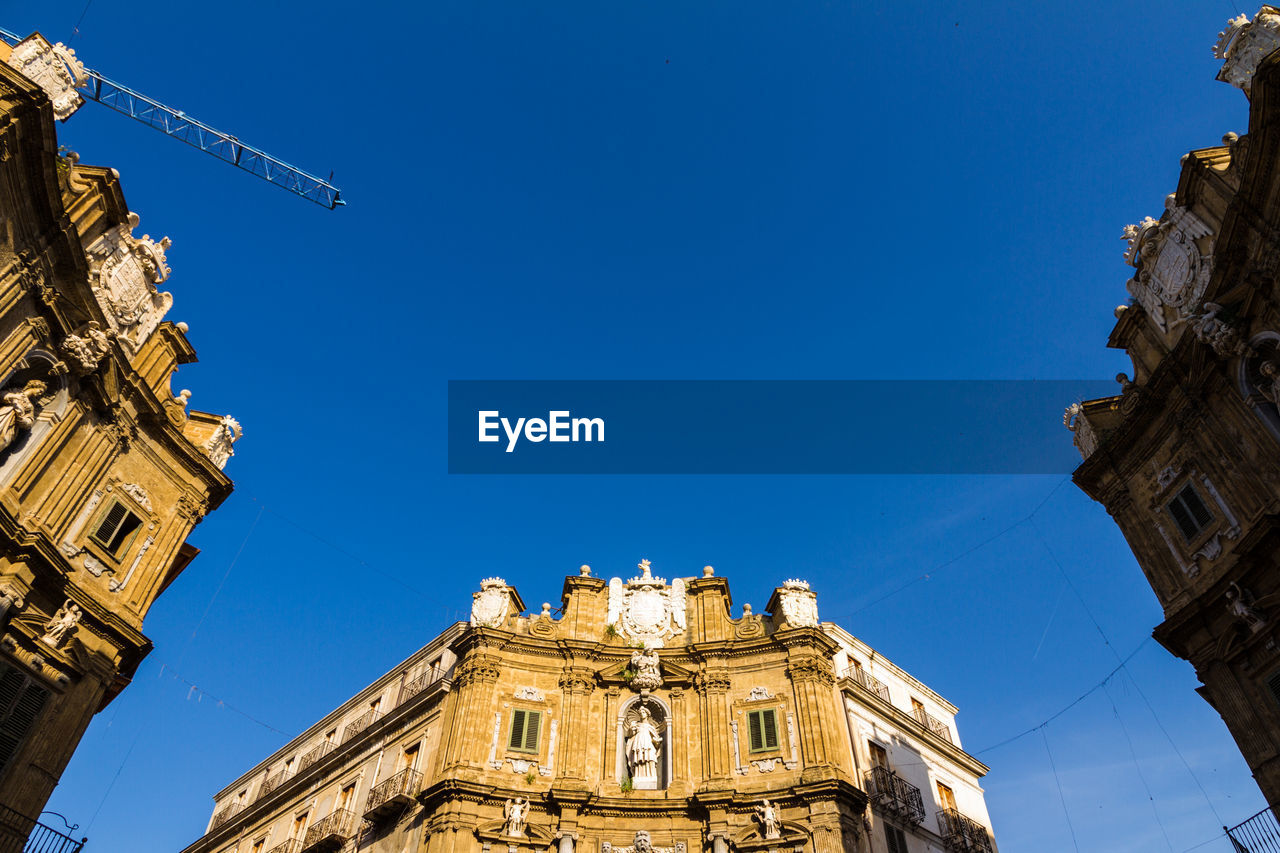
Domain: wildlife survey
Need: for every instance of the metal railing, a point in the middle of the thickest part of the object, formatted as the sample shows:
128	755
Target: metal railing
895	795
293	845
960	833
359	724
335	828
272	782
226	814
314	754
868	682
417	685
22	834
1258	834
932	723
404	785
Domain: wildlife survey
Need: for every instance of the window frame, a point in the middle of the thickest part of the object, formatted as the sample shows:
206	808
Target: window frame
525	747
100	519
765	746
895	839
1177	498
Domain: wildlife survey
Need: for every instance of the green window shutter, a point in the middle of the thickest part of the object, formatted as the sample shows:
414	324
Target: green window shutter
21	701
517	730
770	729
110	523
533	723
755	731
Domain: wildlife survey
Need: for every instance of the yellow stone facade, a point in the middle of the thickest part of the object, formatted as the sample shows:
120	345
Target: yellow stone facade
104	471
640	714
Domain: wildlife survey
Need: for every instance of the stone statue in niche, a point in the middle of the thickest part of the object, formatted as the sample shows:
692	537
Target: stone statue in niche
516	813
647	674
62	625
19	411
1240	603
770	826
643	748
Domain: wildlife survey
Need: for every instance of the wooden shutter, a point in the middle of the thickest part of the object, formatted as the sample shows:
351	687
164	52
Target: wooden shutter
110	523
770	720
1273	684
21	701
533	722
896	841
517	730
755	731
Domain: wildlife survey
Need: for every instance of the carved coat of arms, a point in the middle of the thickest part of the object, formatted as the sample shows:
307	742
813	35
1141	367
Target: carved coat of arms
124	272
1171	269
55	69
645	609
799	604
489	606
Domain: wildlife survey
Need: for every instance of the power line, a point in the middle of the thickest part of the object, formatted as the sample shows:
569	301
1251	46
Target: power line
1061	796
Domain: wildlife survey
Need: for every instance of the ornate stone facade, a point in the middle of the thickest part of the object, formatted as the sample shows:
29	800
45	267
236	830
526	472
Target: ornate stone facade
101	480
518	732
1186	458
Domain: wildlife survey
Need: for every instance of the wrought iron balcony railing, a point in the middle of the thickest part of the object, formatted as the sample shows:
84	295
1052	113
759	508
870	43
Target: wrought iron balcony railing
272	782
868	682
359	724
329	833
392	795
933	724
314	754
895	795
960	833
226	814
293	845
21	833
417	685
1258	834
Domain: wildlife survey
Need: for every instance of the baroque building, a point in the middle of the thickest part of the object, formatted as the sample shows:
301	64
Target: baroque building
640	717
1186	458
104	471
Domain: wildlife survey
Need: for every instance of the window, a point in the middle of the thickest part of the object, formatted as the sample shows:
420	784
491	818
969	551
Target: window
21	701
259	845
330	736
116	527
1189	512
946	797
299	827
879	758
762	730
345	798
524	730
895	839
409	758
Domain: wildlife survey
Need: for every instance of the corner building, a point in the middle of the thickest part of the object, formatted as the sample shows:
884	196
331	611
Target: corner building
104	471
1186	458
644	719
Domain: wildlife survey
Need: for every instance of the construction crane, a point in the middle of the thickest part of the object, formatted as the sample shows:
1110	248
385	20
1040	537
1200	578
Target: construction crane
180	126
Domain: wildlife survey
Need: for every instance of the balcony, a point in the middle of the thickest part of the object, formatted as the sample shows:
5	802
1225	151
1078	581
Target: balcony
271	783
933	724
417	685
391	796
329	833
226	814
293	845
895	795
868	682
315	754
962	834
359	724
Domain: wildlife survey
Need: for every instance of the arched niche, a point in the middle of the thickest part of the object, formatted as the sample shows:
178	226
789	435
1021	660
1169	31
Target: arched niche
1258	390
38	364
660	713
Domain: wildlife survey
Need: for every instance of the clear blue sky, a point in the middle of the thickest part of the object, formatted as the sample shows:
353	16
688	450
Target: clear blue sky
652	190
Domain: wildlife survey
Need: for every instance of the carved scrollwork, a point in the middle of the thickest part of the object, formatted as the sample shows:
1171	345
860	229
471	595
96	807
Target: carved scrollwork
811	669
481	670
577	681
711	682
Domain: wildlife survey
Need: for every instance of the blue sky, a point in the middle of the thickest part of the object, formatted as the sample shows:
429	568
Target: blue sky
653	190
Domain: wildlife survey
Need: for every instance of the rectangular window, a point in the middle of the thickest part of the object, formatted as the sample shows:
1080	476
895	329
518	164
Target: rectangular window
1189	512
21	701
299	827
762	730
946	797
879	758
259	845
524	730
896	841
345	798
409	758
116	527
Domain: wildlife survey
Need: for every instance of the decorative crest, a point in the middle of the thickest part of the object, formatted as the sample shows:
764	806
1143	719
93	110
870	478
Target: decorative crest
1243	44
218	447
491	605
798	603
646	610
55	69
124	271
1172	271
795	583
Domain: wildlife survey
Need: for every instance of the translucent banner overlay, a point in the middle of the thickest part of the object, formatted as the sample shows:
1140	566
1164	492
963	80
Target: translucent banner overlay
764	426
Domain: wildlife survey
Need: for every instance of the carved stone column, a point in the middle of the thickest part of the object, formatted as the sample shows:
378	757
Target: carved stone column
576	685
812	678
713	693
470	730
